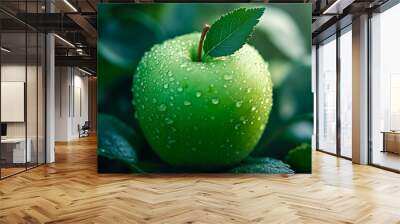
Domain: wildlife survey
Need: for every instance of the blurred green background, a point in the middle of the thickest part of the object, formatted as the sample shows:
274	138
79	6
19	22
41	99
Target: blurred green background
283	37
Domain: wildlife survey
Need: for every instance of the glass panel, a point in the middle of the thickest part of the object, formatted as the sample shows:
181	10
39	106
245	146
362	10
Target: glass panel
327	96
41	99
385	84
13	86
31	97
345	94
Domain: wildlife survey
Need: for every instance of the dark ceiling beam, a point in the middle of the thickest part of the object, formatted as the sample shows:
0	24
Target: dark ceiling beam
80	61
91	5
337	7
74	13
49	22
86	26
332	28
320	23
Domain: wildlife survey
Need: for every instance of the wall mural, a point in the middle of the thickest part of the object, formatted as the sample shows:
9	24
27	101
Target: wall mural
204	88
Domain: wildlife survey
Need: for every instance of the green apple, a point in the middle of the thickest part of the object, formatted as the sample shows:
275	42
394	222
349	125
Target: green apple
205	115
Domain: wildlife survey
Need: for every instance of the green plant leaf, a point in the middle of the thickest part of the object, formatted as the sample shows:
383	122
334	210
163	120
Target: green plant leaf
299	158
109	127
117	143
230	32
262	165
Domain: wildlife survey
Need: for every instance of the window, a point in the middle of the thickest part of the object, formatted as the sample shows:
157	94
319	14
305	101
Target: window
385	89
327	95
346	92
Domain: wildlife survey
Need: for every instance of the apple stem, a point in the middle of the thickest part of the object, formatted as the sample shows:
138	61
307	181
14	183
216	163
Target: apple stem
206	27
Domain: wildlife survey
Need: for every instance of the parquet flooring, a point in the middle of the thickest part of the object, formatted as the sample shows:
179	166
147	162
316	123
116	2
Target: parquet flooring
71	191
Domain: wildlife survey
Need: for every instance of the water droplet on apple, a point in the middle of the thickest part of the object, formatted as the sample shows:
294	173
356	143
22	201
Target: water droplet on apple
168	120
198	94
227	77
162	107
183	65
253	108
169	73
248	90
215	101
187	103
154	100
262	127
239	104
166	86
171	79
180	89
237	126
212	118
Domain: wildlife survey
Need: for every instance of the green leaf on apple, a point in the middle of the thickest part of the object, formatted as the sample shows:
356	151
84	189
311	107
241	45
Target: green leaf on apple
263	165
229	33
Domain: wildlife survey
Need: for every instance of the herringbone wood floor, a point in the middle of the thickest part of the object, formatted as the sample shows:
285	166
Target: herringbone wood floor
70	191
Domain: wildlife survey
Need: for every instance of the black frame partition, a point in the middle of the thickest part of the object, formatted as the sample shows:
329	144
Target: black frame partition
381	9
326	40
339	29
333	36
28	50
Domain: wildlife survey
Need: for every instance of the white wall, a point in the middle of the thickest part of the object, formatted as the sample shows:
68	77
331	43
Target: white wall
71	94
12	73
61	103
33	126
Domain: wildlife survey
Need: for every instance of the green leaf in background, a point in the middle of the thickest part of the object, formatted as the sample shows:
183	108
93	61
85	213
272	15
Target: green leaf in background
264	165
231	31
299	158
118	42
118	144
284	33
109	126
